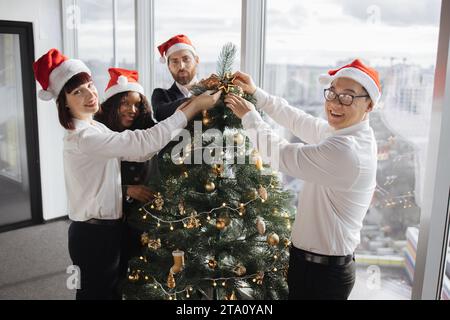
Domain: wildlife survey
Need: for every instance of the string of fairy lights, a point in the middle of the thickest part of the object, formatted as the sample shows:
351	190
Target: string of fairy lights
215	282
194	215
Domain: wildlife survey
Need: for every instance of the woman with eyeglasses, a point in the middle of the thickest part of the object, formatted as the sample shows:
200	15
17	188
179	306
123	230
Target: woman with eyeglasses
92	155
338	163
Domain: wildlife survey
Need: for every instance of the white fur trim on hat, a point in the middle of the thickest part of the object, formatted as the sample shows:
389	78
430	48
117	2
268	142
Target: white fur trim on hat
359	76
45	95
118	88
60	75
177	47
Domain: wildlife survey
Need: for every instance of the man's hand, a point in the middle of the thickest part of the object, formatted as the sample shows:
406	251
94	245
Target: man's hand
140	193
244	81
238	105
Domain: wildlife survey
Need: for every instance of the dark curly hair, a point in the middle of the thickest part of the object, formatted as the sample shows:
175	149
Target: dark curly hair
108	113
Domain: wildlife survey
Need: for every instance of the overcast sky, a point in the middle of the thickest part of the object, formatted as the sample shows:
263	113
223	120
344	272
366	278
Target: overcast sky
298	31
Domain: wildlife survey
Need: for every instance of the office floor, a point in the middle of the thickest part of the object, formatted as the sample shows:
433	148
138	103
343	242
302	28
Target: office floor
34	262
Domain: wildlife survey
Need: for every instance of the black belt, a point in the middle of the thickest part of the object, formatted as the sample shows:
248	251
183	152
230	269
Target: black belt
321	259
104	222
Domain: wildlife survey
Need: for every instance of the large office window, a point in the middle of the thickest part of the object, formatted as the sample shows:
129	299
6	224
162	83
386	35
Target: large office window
20	192
209	24
305	39
105	37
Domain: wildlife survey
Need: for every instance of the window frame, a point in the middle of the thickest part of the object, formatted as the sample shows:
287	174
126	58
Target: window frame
434	218
26	42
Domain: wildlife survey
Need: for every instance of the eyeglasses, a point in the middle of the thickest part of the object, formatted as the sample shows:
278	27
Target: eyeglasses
344	98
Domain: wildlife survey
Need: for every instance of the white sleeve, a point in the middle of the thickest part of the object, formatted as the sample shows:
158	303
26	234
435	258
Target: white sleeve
137	145
308	128
331	163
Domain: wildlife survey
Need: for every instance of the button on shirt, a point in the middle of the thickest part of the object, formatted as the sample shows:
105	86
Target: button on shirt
92	155
338	167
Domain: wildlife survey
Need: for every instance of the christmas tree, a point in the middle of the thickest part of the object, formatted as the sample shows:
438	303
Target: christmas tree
219	225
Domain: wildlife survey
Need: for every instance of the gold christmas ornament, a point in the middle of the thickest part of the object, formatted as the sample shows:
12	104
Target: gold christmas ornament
206	121
193	222
241	210
273	239
181	208
171	281
257	159
158	202
220	224
178	261
259	163
223	221
211	83
286	242
210	186
227	82
154	244
240	270
212	263
133	277
262	193
218	169
238	138
144	239
260	225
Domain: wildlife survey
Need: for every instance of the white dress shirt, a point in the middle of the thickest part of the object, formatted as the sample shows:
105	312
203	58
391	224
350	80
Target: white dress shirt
184	89
338	167
92	156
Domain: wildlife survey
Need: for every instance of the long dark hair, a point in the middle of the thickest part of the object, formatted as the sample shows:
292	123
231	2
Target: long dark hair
108	113
64	114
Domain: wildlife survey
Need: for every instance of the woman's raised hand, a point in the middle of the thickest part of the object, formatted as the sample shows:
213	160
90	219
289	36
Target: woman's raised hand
244	81
238	105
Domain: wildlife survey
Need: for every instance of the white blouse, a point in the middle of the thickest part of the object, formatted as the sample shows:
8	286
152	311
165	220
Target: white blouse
92	156
338	167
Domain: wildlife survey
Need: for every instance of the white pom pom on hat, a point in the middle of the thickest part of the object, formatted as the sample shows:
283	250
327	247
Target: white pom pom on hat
122	80
45	95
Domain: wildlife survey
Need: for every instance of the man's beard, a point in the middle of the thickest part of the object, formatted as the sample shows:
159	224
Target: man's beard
185	78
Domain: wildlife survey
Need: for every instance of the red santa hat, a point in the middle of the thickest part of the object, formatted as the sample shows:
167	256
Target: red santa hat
358	71
122	80
176	43
53	70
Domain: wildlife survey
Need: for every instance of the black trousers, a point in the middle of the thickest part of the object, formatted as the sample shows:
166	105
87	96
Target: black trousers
95	249
314	281
131	247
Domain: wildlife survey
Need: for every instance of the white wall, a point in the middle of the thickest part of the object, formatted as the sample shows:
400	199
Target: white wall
46	18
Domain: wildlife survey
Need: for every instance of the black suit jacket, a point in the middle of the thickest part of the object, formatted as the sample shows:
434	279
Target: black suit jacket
165	102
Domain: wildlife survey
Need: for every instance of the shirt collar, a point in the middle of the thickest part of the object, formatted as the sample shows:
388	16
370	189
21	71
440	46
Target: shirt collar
363	125
80	124
184	90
